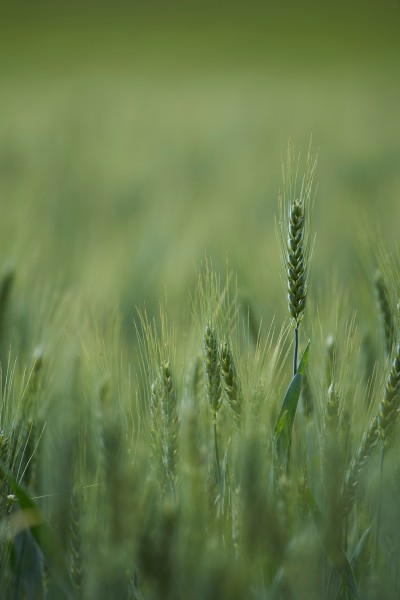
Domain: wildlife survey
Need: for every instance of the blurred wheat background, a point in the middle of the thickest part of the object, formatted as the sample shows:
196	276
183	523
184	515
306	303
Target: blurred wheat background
135	138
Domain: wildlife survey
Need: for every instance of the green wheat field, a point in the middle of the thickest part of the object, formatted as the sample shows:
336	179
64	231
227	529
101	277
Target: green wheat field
200	301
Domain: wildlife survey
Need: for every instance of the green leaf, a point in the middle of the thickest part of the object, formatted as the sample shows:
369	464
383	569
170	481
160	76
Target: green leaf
281	423
37	527
304	359
284	425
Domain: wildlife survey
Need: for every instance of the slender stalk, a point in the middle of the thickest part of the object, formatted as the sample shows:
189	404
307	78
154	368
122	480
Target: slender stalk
216	449
296	349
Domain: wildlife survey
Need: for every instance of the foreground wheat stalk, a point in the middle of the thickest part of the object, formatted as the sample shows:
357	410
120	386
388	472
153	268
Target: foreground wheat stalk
295	214
387	418
212	368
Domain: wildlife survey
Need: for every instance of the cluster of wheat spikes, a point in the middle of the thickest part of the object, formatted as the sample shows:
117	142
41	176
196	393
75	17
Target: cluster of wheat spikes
200	462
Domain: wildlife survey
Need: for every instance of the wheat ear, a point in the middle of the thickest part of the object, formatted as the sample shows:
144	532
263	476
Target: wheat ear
212	368
164	417
385	311
387	417
296	209
231	382
390	403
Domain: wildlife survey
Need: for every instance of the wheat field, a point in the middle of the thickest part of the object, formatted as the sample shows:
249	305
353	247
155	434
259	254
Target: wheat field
199	303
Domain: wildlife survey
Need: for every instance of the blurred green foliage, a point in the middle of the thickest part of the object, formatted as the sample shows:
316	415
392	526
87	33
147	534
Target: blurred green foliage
134	138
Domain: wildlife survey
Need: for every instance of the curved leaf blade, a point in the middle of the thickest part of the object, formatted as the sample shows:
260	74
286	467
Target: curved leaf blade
284	426
304	359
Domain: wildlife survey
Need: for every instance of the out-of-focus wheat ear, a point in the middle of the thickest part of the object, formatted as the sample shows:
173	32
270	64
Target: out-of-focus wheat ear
164	424
212	370
385	311
170	417
77	561
390	403
358	464
370	363
387	418
231	382
156	428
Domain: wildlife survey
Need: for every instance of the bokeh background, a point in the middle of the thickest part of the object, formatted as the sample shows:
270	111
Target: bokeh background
137	138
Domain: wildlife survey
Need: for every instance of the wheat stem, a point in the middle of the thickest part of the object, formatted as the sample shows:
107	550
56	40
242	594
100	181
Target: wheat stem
296	349
217	461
